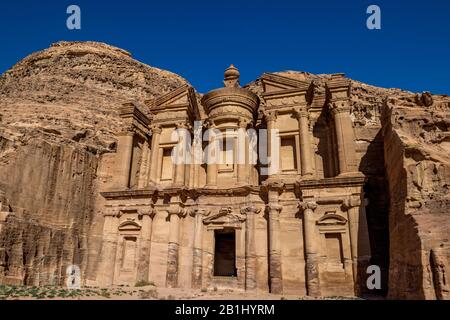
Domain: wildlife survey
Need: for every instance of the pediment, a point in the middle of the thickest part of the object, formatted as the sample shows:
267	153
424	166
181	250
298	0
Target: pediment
182	98
273	83
331	219
129	226
225	217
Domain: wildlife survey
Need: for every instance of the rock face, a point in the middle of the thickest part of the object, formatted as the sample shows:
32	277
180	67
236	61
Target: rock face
417	152
59	130
59	112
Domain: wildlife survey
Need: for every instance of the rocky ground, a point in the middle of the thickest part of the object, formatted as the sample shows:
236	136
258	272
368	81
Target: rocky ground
147	292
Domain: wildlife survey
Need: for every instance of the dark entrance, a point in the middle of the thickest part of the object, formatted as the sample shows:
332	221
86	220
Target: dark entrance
225	253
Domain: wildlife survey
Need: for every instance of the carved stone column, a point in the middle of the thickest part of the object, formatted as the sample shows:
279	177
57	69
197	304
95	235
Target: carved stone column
305	143
197	263
143	171
276	282
242	153
156	133
109	248
146	235
345	136
124	154
312	265
212	158
175	213
250	247
272	154
180	165
359	237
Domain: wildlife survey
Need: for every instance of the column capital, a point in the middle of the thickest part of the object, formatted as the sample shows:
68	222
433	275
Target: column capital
351	202
274	208
181	212
339	106
250	209
156	129
199	212
243	122
151	212
183	125
111	212
305	205
301	113
270	115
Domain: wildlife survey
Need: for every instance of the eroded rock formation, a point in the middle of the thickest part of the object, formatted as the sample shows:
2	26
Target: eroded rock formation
59	112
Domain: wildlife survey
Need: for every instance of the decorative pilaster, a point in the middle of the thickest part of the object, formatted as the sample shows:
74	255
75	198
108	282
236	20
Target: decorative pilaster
242	152
345	136
276	282
180	164
175	212
305	143
312	265
156	133
359	237
272	154
338	95
250	247
124	154
146	234
109	248
144	169
197	263
212	157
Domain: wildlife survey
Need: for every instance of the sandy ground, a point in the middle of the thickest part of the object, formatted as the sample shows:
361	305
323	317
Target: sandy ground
137	293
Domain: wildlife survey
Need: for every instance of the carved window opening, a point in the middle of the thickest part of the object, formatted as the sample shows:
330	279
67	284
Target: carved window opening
166	174
335	253
225	253
288	154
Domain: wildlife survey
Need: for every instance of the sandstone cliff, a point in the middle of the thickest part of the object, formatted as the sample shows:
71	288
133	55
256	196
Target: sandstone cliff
59	114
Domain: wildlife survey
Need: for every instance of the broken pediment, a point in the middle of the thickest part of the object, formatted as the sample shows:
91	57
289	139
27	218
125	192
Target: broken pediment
274	83
181	99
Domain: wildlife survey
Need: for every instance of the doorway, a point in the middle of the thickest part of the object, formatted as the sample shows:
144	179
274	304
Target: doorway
225	253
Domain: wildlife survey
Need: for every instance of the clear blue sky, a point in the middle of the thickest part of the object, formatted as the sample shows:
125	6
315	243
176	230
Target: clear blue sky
198	39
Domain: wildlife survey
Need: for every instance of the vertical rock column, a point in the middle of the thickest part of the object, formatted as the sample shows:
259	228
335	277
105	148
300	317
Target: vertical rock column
180	161
272	153
156	134
175	213
146	234
276	285
124	154
312	265
345	137
250	247
359	237
109	249
144	168
242	150
197	263
212	158
305	143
